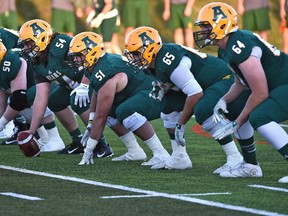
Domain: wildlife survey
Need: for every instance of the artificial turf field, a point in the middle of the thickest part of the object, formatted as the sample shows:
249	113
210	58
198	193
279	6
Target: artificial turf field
54	184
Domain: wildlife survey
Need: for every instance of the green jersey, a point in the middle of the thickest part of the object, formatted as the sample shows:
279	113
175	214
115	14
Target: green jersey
109	65
239	48
9	38
10	66
205	68
100	4
56	68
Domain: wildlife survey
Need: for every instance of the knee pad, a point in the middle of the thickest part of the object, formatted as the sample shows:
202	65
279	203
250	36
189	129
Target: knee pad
110	122
134	121
170	120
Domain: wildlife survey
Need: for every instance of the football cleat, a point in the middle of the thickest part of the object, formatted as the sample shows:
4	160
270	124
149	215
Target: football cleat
28	144
158	160
73	148
132	156
243	169
102	150
179	162
283	179
232	162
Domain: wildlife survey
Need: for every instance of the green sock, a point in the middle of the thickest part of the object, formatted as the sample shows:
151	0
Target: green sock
50	125
76	135
225	140
249	150
103	140
284	151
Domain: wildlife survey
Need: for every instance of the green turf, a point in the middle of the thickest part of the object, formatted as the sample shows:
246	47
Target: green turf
62	197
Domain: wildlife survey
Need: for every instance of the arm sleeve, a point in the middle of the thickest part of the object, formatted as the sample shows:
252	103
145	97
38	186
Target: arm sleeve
183	78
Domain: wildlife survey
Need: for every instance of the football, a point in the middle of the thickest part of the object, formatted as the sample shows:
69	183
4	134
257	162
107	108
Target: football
28	144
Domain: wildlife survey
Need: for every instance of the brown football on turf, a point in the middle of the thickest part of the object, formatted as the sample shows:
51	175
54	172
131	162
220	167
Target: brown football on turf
28	144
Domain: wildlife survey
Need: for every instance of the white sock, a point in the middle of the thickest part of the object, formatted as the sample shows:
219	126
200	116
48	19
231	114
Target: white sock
130	141
274	134
43	134
155	145
53	132
177	149
231	149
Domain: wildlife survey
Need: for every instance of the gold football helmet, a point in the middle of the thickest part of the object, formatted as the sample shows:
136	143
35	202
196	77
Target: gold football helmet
34	36
3	51
216	20
141	47
85	49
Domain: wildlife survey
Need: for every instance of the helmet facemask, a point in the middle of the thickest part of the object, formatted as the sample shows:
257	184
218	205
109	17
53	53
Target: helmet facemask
205	36
77	60
136	60
29	49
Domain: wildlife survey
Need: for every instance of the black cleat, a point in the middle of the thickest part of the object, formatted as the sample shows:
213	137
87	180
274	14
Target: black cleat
12	140
102	151
73	148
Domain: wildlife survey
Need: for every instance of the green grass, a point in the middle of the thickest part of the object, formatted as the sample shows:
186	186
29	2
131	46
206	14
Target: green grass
63	197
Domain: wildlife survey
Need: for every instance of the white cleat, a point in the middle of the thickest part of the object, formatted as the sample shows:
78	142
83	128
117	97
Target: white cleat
232	162
53	144
156	160
283	179
243	170
132	156
179	162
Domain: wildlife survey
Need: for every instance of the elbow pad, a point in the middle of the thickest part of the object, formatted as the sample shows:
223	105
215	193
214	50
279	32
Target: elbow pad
18	100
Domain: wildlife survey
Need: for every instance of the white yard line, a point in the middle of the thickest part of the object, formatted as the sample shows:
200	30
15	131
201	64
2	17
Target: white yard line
147	192
20	196
269	188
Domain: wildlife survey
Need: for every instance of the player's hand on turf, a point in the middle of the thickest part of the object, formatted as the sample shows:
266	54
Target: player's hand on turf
157	92
219	109
179	135
225	130
82	95
87	158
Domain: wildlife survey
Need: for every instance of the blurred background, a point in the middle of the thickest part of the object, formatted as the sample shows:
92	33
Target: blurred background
30	9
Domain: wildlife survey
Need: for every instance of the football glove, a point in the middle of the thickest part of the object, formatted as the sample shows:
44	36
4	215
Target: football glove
219	109
179	135
157	92
225	130
95	23
82	95
87	158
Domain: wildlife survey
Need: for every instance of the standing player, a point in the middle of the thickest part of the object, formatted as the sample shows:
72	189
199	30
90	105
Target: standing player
258	66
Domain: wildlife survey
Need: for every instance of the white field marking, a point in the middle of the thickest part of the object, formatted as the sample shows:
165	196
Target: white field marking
127	196
269	188
148	192
141	196
20	196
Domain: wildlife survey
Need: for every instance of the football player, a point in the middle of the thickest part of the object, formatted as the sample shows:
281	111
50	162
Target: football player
17	81
198	79
259	67
118	94
46	52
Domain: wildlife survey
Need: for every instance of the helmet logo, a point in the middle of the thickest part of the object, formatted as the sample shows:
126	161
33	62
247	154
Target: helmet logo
37	30
88	42
218	12
146	40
